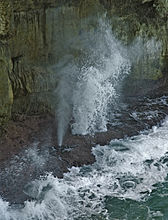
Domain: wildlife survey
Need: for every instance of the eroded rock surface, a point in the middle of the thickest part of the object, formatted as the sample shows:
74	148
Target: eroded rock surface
38	34
29	148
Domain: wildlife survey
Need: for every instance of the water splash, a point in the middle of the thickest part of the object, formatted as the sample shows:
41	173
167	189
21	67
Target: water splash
67	74
126	168
87	88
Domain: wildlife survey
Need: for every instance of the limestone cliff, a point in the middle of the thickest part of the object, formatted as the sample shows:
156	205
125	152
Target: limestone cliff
36	34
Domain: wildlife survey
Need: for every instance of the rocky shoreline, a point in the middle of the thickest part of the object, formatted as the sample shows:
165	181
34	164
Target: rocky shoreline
29	150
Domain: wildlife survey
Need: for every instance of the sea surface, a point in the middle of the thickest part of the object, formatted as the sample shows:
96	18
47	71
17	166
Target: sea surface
127	181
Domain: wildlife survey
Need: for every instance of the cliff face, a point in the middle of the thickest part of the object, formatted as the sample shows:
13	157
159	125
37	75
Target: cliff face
36	34
6	94
145	20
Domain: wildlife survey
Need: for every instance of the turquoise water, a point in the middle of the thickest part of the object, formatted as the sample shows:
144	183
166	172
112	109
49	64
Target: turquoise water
155	206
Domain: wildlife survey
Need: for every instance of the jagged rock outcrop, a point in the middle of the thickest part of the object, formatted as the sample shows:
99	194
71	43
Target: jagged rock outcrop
36	34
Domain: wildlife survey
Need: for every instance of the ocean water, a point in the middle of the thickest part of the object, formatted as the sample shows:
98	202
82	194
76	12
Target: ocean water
127	181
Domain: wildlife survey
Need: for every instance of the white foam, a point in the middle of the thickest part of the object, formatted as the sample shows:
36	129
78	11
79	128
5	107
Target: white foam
97	85
126	169
87	87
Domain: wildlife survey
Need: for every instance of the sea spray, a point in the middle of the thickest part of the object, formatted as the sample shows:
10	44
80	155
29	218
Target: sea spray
97	88
88	85
127	169
67	74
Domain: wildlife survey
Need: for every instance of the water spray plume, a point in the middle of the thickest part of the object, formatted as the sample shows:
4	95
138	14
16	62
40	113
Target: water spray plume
87	90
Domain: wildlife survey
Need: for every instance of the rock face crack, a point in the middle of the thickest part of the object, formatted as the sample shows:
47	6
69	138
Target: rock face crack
44	32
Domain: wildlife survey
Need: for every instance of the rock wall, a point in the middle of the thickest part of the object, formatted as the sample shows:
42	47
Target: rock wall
6	93
36	34
145	19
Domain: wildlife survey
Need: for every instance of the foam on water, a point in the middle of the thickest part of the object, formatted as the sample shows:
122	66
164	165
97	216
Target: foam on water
126	168
151	109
